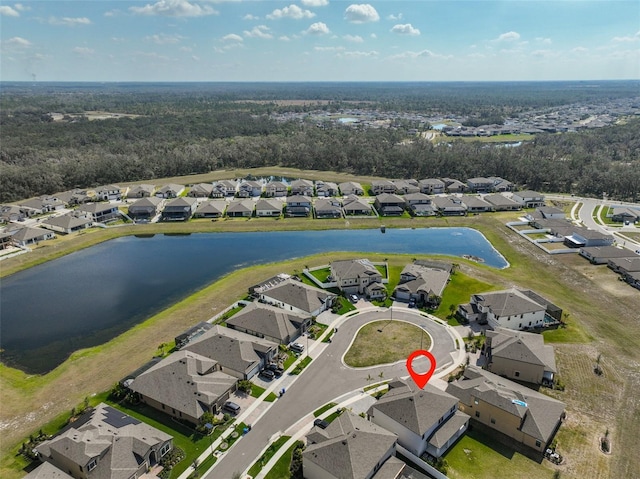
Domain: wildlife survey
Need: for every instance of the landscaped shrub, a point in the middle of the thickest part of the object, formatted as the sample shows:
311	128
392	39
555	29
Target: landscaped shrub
296	461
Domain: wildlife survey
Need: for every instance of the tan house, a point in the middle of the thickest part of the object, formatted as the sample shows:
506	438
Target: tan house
522	414
105	443
521	356
354	275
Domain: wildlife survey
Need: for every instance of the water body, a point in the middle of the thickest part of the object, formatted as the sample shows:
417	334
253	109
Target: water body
88	297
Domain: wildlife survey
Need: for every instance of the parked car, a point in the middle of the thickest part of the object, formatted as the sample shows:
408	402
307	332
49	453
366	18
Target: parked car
321	423
231	407
353	298
267	374
297	347
412	303
277	370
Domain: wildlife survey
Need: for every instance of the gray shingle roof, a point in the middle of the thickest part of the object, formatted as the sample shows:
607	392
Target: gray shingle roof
299	295
540	414
29	233
68	221
268	204
350	447
184	381
353	268
508	303
268	320
500	200
213	206
448	429
416	409
232	349
47	470
238	206
521	346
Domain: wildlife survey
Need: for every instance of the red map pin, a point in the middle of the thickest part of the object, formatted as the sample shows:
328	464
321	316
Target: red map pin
421	379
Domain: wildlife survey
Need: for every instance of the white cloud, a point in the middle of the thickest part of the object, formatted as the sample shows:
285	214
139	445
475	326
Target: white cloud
317	28
7	11
421	54
545	41
328	49
284	38
232	37
83	51
260	31
353	38
18	42
372	53
248	16
292	11
579	50
508	37
633	38
186	49
21	8
394	18
174	8
544	53
373	35
69	22
164	39
113	13
315	3
406	29
361	13
118	39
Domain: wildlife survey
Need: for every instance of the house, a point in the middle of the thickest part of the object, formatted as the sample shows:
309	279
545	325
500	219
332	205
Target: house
185	385
389	204
625	266
449	206
211	209
224	188
170	191
350	447
510	309
354	275
328	208
275	189
520	356
412	199
74	197
297	206
602	254
546	213
5	240
528	198
405	187
108	193
141	191
475	204
249	189
68	223
351	188
43	204
145	209
201	190
520	413
354	206
379	187
100	212
270	322
28	235
585	238
500	184
302	187
622	214
238	354
422	284
326	189
105	443
431	186
480	185
375	291
268	207
9	213
179	209
192	333
293	295
500	202
425	420
241	208
46	470
454	186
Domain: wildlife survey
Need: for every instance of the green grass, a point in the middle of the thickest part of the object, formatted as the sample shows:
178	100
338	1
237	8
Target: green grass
281	468
331	417
510	138
230	313
257	391
477	456
321	275
382	269
268	454
301	365
324	408
345	305
459	291
572	333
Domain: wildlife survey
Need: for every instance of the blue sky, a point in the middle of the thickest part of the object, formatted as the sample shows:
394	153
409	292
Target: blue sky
319	40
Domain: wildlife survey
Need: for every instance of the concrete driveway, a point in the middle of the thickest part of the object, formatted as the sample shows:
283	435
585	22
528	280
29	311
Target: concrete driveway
325	380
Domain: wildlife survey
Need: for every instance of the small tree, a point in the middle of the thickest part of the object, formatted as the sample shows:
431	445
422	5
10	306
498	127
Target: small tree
452	310
597	369
245	385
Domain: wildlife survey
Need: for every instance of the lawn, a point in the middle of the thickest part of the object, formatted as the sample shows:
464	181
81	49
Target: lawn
301	365
394	342
281	469
268	454
321	275
324	408
345	305
477	456
257	391
459	291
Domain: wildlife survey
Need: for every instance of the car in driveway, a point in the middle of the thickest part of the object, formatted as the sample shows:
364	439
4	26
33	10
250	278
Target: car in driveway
354	298
277	370
267	374
231	407
321	423
297	347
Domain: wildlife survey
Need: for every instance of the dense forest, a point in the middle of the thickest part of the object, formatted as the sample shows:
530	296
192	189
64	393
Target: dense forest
185	132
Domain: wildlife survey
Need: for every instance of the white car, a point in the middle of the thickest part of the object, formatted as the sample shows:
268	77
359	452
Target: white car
297	347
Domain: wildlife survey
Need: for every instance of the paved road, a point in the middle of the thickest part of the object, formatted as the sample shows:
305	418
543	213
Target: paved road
325	379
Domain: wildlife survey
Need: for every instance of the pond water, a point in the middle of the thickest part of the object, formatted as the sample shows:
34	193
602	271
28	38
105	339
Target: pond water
90	296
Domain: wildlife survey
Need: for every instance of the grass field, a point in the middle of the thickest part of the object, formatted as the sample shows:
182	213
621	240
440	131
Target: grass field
603	315
384	342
